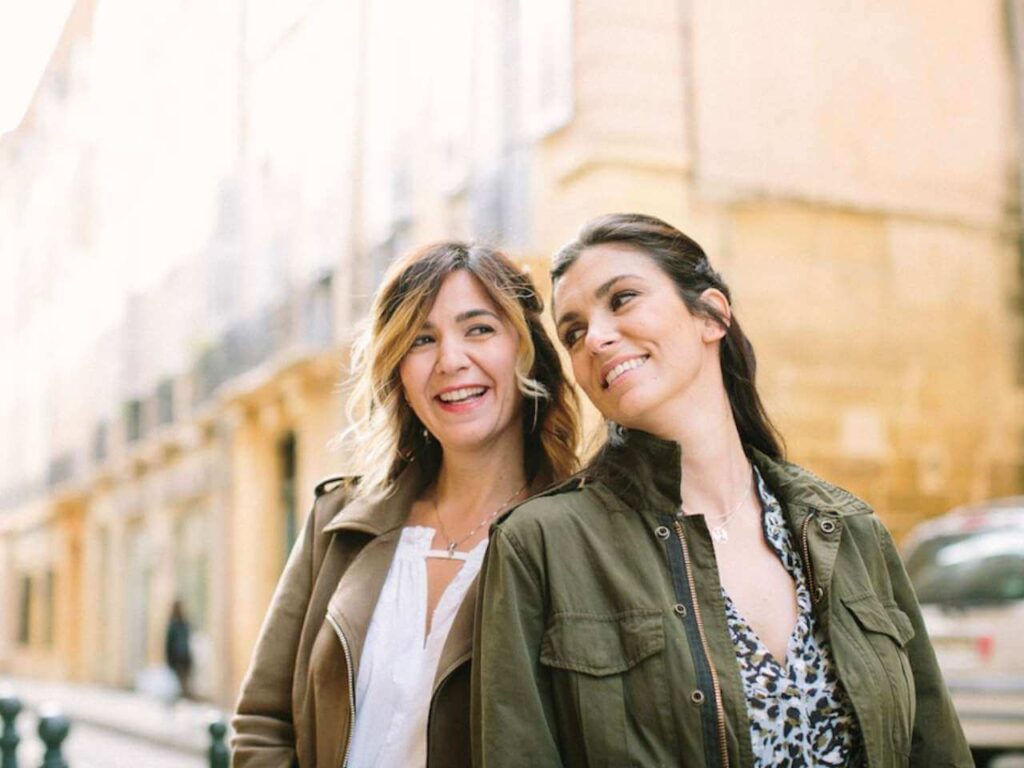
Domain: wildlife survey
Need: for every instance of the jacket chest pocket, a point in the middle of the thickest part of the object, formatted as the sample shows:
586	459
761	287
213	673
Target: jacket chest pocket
886	630
609	685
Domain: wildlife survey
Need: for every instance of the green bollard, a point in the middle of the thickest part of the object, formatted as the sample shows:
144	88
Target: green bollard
53	729
219	753
10	706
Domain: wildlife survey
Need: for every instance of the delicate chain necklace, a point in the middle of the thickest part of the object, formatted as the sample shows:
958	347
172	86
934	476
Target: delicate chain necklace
451	546
719	531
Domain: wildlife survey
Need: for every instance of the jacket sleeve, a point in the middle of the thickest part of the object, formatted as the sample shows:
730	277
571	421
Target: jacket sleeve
513	720
264	733
937	739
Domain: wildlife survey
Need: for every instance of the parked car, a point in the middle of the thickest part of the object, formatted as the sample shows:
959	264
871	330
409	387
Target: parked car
967	567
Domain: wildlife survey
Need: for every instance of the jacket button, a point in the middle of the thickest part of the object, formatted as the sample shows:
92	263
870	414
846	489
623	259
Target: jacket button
661	532
680	609
697	697
818	594
827	526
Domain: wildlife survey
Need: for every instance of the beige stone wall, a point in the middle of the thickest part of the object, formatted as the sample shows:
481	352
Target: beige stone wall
849	170
903	107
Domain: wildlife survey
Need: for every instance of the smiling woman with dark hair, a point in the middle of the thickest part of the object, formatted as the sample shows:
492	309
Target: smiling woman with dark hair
692	598
459	409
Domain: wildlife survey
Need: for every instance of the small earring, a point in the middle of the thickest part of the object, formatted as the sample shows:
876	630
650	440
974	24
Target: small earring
426	435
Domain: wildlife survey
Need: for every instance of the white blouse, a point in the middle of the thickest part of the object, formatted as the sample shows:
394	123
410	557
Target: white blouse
398	666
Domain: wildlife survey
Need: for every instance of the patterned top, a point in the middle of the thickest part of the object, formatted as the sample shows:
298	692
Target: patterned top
799	713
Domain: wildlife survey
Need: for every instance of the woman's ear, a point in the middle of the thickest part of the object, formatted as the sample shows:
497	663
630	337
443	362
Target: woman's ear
711	329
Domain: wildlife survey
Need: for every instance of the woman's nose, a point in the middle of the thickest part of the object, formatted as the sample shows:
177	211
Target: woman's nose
451	357
600	336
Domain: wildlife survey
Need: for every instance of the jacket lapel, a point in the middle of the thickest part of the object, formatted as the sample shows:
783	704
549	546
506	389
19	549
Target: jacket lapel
458	647
381	516
807	502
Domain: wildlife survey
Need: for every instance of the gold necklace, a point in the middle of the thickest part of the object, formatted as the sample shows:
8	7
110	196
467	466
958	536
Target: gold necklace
451	546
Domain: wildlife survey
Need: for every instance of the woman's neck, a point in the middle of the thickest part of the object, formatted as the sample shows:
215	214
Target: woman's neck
480	479
714	467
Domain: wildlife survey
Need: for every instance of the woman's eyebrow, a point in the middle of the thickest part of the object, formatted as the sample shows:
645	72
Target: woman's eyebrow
604	288
462	317
469	314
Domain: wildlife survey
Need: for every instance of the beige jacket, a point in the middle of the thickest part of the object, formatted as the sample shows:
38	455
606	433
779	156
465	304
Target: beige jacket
297	699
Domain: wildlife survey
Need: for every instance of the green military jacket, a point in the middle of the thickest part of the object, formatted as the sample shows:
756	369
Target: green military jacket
602	640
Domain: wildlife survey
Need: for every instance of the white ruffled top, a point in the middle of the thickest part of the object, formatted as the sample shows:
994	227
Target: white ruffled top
396	673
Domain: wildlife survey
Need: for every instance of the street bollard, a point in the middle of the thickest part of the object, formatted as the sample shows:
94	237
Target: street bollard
10	706
219	753
53	729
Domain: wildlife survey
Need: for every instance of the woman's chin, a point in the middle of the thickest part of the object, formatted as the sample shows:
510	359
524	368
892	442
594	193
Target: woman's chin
633	412
468	440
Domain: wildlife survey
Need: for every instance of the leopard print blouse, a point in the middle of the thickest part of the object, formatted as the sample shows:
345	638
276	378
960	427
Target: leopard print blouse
799	713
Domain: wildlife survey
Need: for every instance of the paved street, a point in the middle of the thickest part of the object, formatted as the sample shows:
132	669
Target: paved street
112	728
91	747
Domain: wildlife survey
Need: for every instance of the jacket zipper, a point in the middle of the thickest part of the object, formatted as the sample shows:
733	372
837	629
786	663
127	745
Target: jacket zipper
723	744
351	687
808	570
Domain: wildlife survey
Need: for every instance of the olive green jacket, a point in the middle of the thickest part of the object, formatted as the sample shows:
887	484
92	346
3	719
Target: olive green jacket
297	699
602	638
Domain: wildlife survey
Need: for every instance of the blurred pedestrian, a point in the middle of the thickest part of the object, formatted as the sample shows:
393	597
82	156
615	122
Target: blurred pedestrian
699	600
178	648
460	410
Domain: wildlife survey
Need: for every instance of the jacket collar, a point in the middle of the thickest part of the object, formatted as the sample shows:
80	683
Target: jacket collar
645	470
381	511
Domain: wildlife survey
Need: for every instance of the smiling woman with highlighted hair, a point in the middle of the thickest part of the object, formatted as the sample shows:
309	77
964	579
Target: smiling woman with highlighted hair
459	409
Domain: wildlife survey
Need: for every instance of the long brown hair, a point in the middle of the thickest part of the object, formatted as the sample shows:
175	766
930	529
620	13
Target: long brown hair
686	264
388	435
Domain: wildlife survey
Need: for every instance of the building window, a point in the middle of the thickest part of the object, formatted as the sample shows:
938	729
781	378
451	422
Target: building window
192	565
546	35
99	443
287	461
49	608
25	611
133	420
165	402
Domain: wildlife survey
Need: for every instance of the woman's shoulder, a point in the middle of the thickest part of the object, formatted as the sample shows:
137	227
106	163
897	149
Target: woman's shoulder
331	495
562	507
335	483
799	485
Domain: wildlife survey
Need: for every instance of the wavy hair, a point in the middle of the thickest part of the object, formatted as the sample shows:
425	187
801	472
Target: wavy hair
387	435
686	264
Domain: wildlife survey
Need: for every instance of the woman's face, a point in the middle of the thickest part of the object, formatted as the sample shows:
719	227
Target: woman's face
636	350
459	376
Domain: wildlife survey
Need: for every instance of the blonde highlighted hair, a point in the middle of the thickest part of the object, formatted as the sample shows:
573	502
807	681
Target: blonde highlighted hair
386	434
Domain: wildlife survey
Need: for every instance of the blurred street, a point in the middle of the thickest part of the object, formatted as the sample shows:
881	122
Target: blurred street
91	747
113	728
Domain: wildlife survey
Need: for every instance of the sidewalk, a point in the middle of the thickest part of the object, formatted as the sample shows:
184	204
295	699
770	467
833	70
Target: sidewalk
182	725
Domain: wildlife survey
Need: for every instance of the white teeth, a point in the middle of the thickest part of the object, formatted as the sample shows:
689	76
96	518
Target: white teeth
621	368
458	395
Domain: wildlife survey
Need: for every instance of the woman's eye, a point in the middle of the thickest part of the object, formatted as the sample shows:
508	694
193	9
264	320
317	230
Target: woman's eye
571	337
620	298
480	330
423	338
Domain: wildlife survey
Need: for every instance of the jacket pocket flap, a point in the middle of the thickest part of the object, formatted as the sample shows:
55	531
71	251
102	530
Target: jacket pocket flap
873	616
602	644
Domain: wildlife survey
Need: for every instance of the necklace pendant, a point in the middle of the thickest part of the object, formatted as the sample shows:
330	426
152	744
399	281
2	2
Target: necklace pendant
719	534
451	549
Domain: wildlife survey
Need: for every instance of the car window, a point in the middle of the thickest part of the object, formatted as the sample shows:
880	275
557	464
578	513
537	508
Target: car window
976	568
